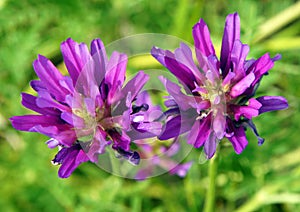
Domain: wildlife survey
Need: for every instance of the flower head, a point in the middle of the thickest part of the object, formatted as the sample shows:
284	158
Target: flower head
160	156
90	109
218	101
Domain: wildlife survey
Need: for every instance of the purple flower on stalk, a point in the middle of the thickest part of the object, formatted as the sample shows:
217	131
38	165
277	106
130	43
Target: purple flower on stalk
87	111
219	94
159	155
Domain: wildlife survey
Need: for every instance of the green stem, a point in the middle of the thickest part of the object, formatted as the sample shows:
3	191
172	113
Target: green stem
209	205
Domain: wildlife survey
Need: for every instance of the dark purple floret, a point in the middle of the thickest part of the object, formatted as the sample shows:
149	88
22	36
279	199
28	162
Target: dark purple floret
69	159
136	109
132	156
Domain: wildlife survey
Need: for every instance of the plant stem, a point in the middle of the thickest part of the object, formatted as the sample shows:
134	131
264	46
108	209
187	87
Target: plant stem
209	205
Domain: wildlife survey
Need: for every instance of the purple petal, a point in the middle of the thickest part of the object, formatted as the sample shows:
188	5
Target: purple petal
194	133
45	100
60	156
242	85
65	137
210	145
65	134
213	67
115	74
27	122
72	119
52	143
136	134
29	102
37	85
50	77
170	103
185	102
159	55
238	139
200	132
172	149
98	145
202	39
249	111
219	124
69	158
135	85
171	128
228	78
184	56
75	101
199	104
203	45
144	98
174	127
271	103
170	112
132	157
248	64
75	57
181	169
261	67
231	34
152	127
276	57
238	57
67	84
183	73
86	82
120	139
98	53
47	125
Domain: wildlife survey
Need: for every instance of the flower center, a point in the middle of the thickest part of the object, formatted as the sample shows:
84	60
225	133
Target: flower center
215	93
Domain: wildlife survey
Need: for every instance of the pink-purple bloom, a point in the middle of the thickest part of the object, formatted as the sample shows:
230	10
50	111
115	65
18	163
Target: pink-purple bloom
218	98
159	155
90	109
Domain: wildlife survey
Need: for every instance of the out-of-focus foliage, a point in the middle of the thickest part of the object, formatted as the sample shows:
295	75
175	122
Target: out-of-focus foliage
265	178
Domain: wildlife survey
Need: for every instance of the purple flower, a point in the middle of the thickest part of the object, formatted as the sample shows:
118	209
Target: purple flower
159	155
219	98
87	111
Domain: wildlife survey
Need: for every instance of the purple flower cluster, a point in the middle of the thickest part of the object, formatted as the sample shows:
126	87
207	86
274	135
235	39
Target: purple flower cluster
88	110
219	94
93	109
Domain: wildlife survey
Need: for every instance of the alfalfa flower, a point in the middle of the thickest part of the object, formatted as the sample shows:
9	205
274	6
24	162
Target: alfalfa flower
160	157
218	101
87	111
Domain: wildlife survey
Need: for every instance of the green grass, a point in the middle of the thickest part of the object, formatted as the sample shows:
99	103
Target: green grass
265	178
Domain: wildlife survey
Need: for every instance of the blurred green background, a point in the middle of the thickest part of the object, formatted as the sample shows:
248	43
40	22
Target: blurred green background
263	178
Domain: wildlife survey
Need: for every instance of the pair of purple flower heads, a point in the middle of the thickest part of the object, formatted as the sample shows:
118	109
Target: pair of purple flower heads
93	109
